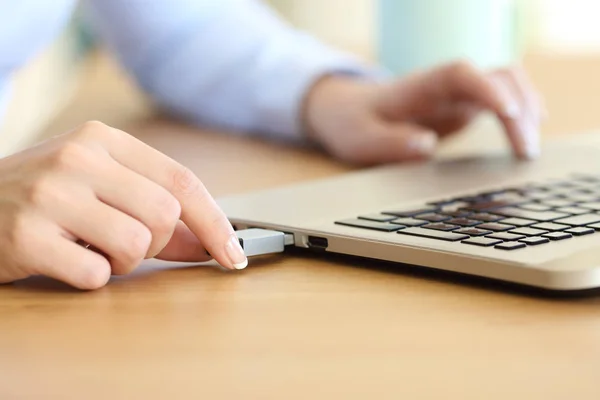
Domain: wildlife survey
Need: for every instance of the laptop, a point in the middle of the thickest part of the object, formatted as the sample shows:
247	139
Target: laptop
531	223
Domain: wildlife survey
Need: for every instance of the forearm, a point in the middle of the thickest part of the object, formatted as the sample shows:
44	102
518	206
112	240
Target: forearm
232	64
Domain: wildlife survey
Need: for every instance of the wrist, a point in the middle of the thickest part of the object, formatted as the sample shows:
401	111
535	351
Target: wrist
328	103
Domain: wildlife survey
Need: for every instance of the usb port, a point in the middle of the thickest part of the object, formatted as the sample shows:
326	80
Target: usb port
316	242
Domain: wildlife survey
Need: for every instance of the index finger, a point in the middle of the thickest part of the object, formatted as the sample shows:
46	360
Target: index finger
459	82
199	211
466	83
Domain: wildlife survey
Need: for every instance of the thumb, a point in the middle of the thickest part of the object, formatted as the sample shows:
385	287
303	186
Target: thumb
184	246
398	142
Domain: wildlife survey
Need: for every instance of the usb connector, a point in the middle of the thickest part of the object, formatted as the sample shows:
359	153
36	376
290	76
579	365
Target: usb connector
256	242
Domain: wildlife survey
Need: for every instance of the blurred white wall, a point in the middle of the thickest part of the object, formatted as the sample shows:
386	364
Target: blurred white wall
349	24
568	26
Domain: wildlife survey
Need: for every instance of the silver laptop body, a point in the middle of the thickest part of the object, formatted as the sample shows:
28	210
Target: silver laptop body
552	207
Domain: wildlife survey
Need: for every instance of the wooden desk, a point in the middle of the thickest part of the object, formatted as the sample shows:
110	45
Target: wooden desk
289	327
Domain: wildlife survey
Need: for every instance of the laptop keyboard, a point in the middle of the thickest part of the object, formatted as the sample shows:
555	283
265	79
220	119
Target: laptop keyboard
507	219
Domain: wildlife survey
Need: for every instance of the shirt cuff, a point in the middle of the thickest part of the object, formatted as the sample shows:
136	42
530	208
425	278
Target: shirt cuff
279	107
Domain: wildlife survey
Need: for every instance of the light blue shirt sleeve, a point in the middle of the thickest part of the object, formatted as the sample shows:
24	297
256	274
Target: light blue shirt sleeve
231	64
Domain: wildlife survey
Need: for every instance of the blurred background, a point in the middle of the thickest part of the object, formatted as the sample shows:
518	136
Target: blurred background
546	25
553	36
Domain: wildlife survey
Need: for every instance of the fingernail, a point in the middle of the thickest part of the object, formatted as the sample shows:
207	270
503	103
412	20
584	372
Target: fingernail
423	143
235	253
531	142
532	152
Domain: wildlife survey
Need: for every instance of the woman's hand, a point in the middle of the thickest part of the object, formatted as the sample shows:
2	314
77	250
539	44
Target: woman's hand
372	123
102	187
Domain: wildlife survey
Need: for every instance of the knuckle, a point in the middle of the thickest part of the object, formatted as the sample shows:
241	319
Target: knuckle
186	183
169	211
93	125
135	244
71	156
90	129
94	130
41	191
461	67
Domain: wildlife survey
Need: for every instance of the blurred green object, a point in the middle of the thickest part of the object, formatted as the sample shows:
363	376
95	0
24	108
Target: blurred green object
83	35
417	34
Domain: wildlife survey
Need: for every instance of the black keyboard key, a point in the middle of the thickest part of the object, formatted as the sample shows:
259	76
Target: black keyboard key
486	217
412	213
507	193
434	217
458	213
440	203
507	237
583	189
409	222
555	183
593	192
463	222
580	231
592	206
572	210
471	199
511	246
431	234
473	232
535	207
492	193
591	179
535	215
555	236
562	189
529	231
496	227
489	205
511	198
580	220
538	195
377	217
558	202
544	187
373	225
441	227
535	241
594	226
519	222
481	241
455	205
585	197
550	226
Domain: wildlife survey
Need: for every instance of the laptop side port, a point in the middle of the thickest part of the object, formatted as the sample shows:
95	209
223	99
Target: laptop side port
315	242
